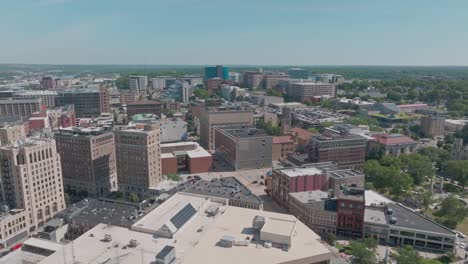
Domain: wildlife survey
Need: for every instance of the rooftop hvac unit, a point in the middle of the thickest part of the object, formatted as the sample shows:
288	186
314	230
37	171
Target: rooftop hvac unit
392	220
227	241
107	238
133	243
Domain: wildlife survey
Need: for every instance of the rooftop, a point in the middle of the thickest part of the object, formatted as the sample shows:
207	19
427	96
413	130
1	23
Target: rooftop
340	174
198	241
282	140
308	169
375	216
227	187
301	133
407	218
375	198
244	132
392	139
192	149
354	194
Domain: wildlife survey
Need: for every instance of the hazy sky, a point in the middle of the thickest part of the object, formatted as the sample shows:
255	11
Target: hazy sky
292	32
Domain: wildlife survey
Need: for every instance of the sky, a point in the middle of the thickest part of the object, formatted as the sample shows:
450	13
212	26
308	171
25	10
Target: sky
256	32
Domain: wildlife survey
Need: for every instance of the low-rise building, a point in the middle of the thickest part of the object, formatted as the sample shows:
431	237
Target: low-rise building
393	144
338	179
184	156
14	226
143	107
281	147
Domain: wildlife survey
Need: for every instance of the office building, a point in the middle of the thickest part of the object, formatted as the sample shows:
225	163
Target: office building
350	211
31	176
298	73
433	126
158	83
347	150
19	107
187	92
14	225
192	80
217	71
235	77
253	79
212	117
138	157
144	107
88	160
86	102
304	91
11	133
184	157
48	83
138	84
243	148
278	80
47	97
127	97
213	85
286	121
393	144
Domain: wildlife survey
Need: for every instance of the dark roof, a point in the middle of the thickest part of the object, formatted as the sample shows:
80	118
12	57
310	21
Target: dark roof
164	252
228	187
406	218
341	174
244	132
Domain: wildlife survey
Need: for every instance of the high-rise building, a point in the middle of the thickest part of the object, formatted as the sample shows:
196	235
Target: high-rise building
433	126
253	79
138	157
86	102
303	91
298	73
244	148
20	107
235	77
88	160
47	97
31	179
286	119
213	117
187	92
214	84
217	71
275	80
48	83
138	83
158	83
347	150
192	80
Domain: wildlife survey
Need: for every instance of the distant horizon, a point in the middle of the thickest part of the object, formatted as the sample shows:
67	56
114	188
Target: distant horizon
244	32
234	65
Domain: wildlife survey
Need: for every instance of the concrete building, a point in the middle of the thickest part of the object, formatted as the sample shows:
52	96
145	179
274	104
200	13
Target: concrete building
88	160
278	80
47	97
393	144
14	226
316	209
338	179
253	79
48	83
303	91
138	83
187	92
31	176
180	231
127	97
347	150
281	147
286	121
213	117
173	129
228	188
184	156
309	177
244	147
213	85
20	107
86	102
144	107
138	158
10	133
433	126
235	77
158	83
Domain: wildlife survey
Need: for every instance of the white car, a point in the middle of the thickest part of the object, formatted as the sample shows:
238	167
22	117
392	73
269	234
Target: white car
460	234
462	245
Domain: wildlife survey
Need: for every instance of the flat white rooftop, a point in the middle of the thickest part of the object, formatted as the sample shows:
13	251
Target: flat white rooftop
298	171
373	197
197	241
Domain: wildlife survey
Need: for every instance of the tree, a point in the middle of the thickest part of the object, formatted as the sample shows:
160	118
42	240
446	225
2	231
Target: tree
458	170
173	177
417	166
451	211
439	156
361	254
376	152
370	243
327	124
201	94
407	255
330	238
134	198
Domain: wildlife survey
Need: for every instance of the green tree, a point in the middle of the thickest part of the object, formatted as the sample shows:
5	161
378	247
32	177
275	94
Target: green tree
327	124
407	255
361	254
451	211
370	243
458	170
439	156
134	198
376	152
417	166
201	94
330	238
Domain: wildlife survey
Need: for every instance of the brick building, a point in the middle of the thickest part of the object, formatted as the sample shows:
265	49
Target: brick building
281	147
184	156
350	211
